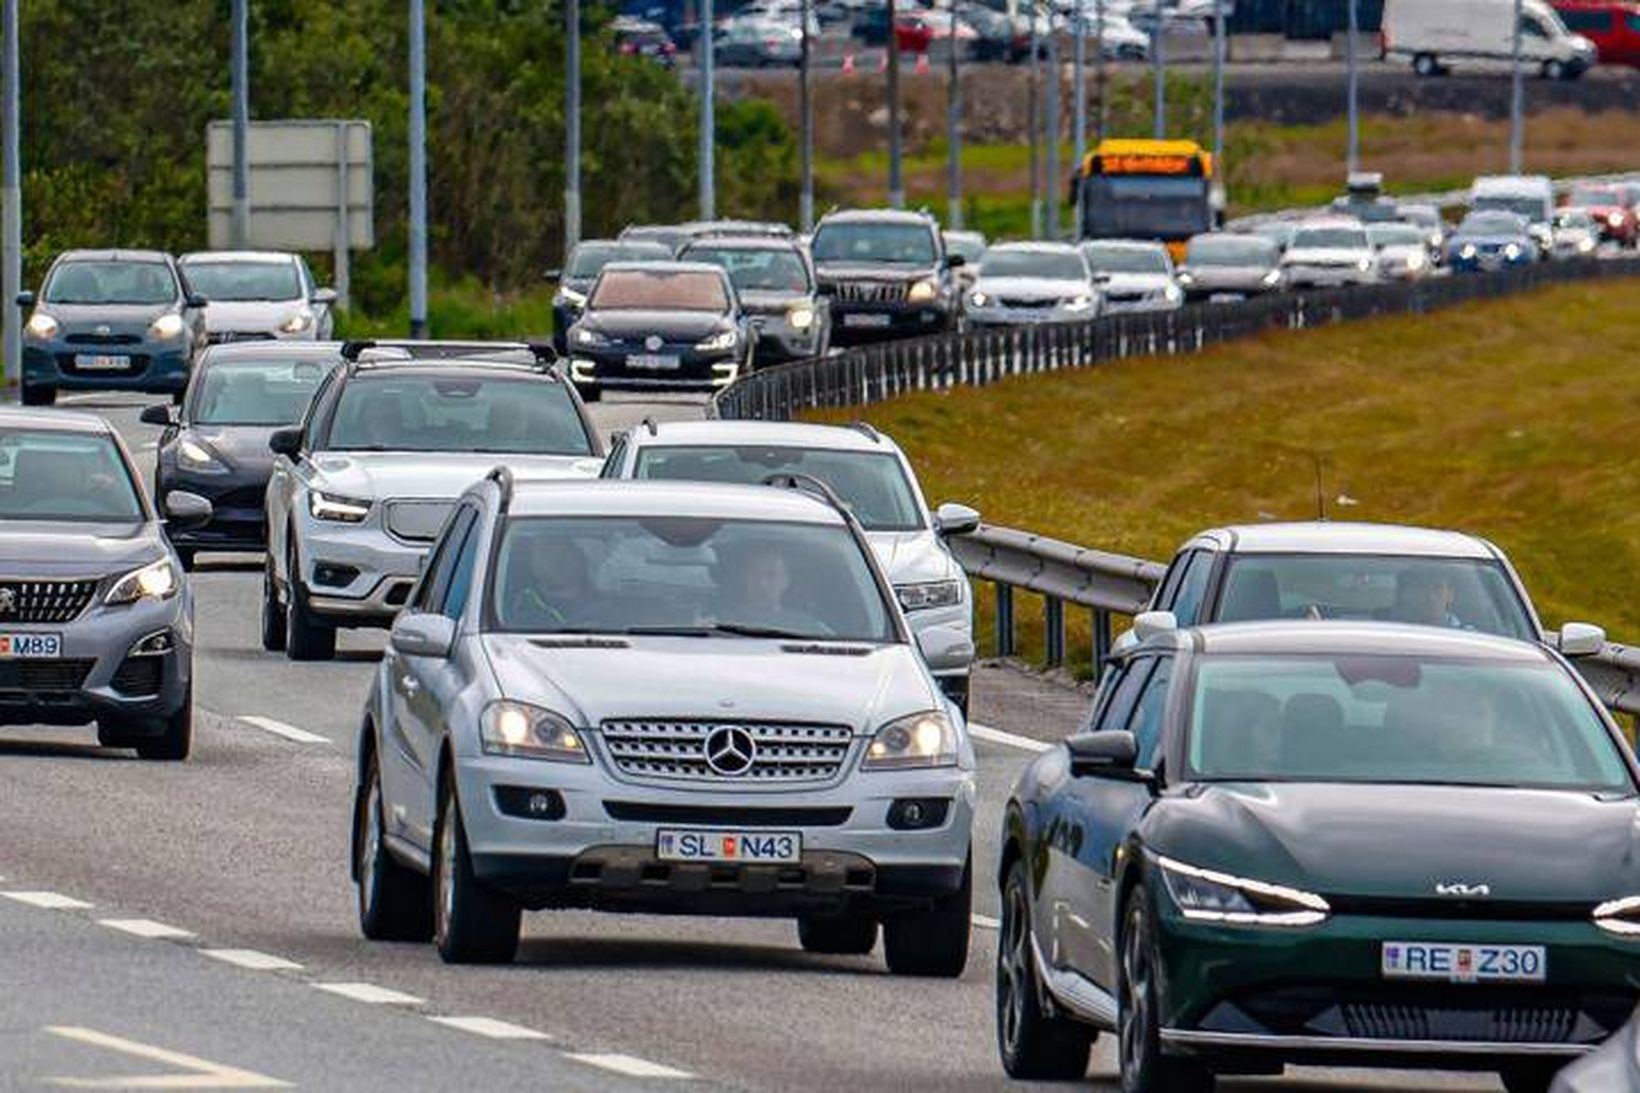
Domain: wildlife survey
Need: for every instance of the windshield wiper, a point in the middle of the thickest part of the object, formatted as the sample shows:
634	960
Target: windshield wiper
732	629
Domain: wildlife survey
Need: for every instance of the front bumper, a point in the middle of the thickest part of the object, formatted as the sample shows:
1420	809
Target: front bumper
356	574
991	315
159	367
1130	305
612	369
238	507
1329	276
588	857
859	324
1489	262
778	341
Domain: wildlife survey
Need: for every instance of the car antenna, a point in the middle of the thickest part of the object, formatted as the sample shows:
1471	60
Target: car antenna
649	423
1320	494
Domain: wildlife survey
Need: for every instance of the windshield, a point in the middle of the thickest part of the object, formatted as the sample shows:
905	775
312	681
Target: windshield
53	475
1396	235
1532	208
111	283
696	576
245	281
872	484
659	290
1054	265
590	259
1422	215
1231	250
1108	259
1491	224
458	413
864	241
1329	239
777	269
1145	206
256	392
1398	719
1588	195
1459	593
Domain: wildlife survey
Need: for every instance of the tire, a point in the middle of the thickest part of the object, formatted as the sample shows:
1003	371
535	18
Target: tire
1425	64
1034	1044
174	740
472	924
395	902
114	733
932	943
1529	1077
306	637
1554	70
837	935
37	395
273	615
1144	1069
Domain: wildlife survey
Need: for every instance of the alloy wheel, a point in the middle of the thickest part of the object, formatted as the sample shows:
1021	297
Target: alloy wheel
1134	1020
370	846
1013	979
446	904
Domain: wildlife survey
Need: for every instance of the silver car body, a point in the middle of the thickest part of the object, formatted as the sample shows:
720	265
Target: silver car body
306	316
1126	290
1311	261
1020	300
909	558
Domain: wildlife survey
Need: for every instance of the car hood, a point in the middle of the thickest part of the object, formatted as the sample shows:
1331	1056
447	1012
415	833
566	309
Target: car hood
369	475
1399	841
911	557
870	271
1228	276
1122	284
249	316
1325	256
1458	240
671	325
119	318
731	678
1031	288
1400	253
766	302
245	447
65	548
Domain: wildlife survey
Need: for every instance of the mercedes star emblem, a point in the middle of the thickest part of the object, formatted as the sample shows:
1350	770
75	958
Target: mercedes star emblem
653	342
730	750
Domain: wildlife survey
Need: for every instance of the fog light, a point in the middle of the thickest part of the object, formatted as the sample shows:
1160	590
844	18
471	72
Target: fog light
334	576
530	802
918	813
153	645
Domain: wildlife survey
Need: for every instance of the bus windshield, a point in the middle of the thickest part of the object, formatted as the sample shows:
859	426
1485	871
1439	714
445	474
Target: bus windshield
1145	206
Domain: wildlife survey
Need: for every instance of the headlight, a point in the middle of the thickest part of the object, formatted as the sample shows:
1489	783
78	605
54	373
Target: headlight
194	456
1585	245
42	326
572	298
156	580
1469	251
1208	896
586	336
1364	265
1273	277
1615	219
1619	916
1435	239
1186	279
1079	303
529	732
327	506
1415	260
167	326
916	597
801	317
979	299
723	340
923	291
1512	251
921	740
297	322
1172	292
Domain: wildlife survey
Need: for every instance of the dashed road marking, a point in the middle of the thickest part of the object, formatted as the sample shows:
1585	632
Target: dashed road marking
253	960
1007	739
279	728
986	922
372	994
490	1027
631	1067
51	901
193	1072
145	927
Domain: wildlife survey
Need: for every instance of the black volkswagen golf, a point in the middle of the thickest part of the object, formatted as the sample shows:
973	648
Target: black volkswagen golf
1322	842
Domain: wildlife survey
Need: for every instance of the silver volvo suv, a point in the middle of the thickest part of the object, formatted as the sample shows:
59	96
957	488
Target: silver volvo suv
666	697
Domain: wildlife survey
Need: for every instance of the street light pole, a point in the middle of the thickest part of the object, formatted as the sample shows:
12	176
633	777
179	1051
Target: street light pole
1079	85
896	183
708	113
1517	102
1218	88
572	126
11	195
1101	121
953	128
239	224
805	111
1050	188
1033	126
418	170
1353	159
1158	56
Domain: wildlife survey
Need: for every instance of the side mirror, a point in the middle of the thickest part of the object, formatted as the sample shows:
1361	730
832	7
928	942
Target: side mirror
185	511
324	297
164	414
1110	754
1581	639
196	301
25	299
944	645
1151	623
421	634
953	261
1101	278
554	274
287	442
954	519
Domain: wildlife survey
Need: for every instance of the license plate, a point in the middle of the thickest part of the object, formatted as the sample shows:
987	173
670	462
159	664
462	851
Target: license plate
729	846
30	646
866	319
653	361
1226	298
1462	963
100	362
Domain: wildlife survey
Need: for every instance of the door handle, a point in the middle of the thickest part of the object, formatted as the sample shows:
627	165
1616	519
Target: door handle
410	683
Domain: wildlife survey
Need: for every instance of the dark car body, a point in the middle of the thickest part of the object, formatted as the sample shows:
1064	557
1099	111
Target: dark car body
1488	241
1159	880
777	290
233	476
110	320
903	287
581	269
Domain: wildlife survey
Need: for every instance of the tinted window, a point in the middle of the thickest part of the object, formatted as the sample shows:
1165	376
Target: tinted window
589	259
436	577
1396	235
1231	250
1107	259
457	413
846	241
1120	696
1187	600
872	484
245	281
1632	21
1585	21
777	269
259	392
1532	208
1492	223
461	576
660	290
1330	238
48	475
1149	715
110	283
1056	265
615	461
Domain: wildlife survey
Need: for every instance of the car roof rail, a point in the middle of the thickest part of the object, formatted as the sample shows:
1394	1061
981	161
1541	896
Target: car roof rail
867	430
354	348
807	483
546	357
502	476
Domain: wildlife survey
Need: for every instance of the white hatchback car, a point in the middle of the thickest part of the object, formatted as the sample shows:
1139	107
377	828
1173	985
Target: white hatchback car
259	295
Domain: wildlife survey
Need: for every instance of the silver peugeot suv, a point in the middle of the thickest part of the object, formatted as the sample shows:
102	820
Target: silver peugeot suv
665	697
875	480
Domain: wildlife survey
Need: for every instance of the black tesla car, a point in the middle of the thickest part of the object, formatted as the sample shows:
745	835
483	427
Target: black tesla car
216	444
1323	842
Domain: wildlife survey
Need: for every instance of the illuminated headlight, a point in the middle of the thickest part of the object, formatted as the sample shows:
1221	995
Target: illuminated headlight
157	581
1615	219
1187	279
1204	895
923	291
1273	277
529	732
194	456
1415	261
922	740
327	506
1079	303
726	339
1585	245
1619	916
1512	251
801	318
587	336
917	597
1435	239
42	327
1364	265
979	299
297	323
167	326
1173	293
1469	250
572	298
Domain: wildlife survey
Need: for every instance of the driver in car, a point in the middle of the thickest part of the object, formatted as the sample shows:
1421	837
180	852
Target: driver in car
753	582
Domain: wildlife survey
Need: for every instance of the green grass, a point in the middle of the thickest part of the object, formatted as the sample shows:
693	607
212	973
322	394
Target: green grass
464	310
1511	419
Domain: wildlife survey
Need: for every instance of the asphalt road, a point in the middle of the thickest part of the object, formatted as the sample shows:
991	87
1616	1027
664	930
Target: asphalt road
245	848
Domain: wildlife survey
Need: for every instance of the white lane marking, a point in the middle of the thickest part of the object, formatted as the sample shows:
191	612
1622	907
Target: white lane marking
490	1027
279	728
371	994
89	396
51	901
986	922
144	927
631	1067
253	960
1007	739
196	1073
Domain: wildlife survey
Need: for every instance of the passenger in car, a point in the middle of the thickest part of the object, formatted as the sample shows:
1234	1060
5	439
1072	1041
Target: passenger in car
1425	596
550	587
